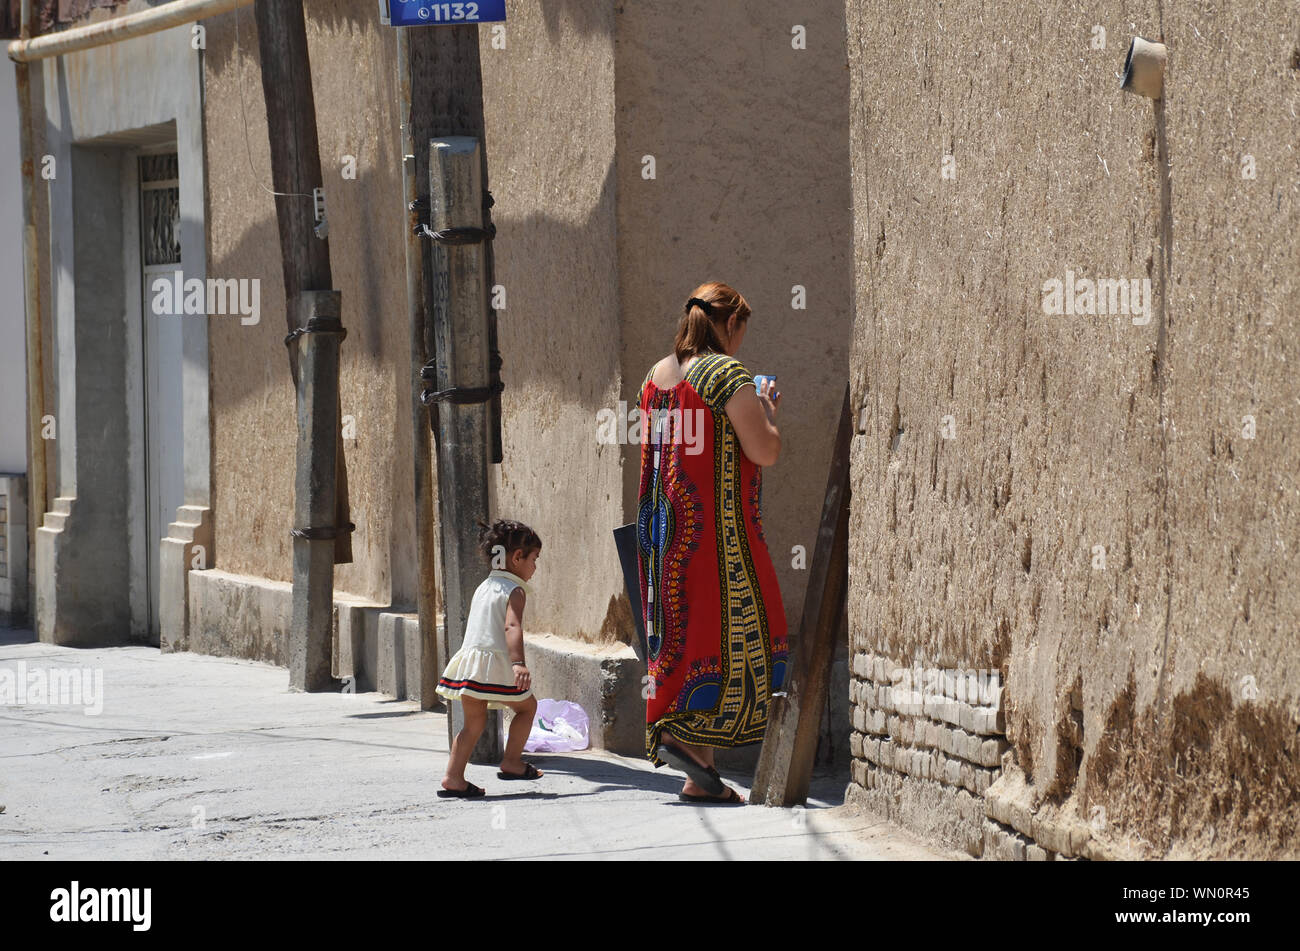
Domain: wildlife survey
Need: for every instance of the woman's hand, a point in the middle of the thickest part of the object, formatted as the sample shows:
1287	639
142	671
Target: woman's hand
770	397
751	415
523	679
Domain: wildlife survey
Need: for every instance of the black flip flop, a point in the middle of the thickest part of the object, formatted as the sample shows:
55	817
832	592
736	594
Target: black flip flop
731	798
706	777
530	772
469	792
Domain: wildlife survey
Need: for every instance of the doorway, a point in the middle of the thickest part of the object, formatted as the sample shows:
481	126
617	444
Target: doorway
154	266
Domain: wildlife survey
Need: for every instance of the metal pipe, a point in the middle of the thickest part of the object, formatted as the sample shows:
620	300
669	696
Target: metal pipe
32	309
86	37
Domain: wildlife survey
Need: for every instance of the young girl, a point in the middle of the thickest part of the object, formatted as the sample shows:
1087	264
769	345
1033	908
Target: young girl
488	672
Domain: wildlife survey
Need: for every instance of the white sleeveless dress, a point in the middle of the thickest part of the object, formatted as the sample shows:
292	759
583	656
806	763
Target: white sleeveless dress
481	668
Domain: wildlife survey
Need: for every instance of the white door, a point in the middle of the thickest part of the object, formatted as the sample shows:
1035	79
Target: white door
160	264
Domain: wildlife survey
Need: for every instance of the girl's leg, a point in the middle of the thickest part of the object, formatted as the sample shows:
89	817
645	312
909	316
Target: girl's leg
463	744
520	727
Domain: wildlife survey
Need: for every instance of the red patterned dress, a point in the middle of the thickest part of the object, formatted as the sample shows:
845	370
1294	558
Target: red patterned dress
713	613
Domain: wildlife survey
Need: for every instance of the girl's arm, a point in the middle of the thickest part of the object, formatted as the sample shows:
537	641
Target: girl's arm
515	638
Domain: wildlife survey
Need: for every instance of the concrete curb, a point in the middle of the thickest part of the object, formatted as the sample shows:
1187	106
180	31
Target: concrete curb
604	679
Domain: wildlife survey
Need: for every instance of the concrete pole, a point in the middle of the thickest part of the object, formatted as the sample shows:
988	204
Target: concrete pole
310	641
461	336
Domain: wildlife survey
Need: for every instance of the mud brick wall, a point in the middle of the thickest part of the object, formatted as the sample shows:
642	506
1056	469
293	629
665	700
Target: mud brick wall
926	736
1101	507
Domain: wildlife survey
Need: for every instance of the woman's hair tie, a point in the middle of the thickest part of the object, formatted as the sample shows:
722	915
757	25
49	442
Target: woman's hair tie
702	304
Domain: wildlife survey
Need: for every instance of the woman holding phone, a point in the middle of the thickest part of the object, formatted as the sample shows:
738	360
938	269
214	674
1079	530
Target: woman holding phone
714	620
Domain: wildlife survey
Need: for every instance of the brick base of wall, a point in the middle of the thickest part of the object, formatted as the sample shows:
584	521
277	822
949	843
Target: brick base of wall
927	744
930	753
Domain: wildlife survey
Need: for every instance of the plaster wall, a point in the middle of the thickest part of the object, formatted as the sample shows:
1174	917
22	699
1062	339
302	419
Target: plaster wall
549	108
550	171
750	187
13	345
254	416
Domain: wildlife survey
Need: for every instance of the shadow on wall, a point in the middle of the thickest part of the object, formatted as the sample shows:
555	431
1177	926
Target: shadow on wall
560	269
250	369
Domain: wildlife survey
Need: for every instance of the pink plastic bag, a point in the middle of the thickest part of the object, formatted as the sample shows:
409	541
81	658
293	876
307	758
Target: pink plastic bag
558	727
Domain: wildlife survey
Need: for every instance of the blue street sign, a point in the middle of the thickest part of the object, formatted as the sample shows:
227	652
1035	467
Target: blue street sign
426	13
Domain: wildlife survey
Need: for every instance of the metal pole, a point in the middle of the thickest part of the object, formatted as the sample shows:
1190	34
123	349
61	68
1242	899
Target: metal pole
32	307
117	28
461	332
425	541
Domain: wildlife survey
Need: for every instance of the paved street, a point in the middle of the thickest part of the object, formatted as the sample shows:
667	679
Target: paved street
203	757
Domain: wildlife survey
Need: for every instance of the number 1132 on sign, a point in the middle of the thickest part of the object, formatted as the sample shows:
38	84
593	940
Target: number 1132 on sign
423	13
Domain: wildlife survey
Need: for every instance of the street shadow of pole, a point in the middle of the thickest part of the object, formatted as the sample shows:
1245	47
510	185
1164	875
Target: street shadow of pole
610	774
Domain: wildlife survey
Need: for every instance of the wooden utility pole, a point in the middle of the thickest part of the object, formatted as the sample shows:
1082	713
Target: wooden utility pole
785	762
431	656
316	331
446	92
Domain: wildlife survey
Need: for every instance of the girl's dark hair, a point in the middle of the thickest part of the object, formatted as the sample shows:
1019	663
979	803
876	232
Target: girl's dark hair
511	536
707	311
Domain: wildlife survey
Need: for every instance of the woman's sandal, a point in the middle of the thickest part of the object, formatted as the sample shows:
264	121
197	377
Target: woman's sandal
706	777
530	772
731	798
469	792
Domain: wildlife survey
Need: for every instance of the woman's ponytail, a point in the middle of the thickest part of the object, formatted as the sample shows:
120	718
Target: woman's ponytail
706	312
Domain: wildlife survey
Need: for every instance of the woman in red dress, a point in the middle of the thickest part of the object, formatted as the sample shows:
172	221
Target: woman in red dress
713	614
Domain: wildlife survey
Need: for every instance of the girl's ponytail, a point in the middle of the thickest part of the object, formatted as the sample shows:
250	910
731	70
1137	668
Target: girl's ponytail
509	536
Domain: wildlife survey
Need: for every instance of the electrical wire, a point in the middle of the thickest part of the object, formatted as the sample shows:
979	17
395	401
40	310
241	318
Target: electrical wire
239	70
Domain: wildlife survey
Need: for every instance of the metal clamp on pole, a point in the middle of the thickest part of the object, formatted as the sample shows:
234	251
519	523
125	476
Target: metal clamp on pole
323	312
457	395
323	533
458	236
454	236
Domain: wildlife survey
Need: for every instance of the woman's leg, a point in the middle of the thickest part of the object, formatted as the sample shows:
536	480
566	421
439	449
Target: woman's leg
701	754
463	744
520	726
